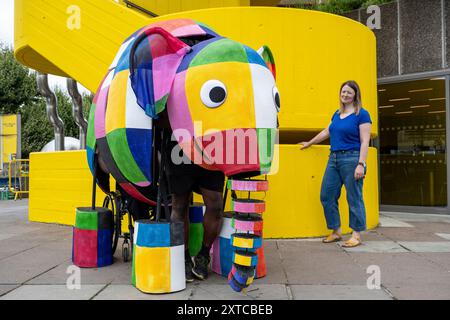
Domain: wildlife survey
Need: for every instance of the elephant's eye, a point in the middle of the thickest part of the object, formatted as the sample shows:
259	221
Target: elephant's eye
213	93
276	98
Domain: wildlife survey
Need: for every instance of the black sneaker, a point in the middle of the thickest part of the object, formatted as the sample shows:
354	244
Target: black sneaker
188	264
200	269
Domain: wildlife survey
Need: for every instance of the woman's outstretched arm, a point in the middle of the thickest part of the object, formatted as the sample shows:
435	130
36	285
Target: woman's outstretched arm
321	136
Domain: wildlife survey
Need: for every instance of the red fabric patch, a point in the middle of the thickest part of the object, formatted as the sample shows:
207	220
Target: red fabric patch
85	248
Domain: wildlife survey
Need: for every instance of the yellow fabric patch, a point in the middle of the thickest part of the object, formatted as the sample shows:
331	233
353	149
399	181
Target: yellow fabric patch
243	243
115	111
237	111
152	267
242	260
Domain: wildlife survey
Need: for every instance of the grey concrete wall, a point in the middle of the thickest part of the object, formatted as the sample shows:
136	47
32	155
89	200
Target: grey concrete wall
414	36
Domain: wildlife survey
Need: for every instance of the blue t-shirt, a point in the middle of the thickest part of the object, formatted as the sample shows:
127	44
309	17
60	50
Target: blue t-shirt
344	133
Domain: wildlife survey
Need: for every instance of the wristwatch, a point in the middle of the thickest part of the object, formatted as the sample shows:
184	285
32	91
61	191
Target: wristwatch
362	164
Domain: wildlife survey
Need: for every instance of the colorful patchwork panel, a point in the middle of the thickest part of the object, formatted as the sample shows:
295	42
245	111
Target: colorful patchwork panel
92	238
158	257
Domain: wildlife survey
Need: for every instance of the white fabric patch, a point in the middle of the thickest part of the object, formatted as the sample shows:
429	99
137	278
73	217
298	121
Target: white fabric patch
226	230
108	80
265	108
122	49
135	115
177	272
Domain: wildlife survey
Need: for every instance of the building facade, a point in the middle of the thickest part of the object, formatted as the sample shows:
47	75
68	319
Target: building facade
413	53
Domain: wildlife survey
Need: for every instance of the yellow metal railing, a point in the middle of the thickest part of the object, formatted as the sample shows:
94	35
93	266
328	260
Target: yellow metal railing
19	177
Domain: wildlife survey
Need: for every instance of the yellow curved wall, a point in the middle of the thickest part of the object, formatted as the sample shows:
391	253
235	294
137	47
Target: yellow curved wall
315	52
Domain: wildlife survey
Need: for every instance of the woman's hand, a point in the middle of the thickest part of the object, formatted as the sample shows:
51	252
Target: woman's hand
304	145
359	172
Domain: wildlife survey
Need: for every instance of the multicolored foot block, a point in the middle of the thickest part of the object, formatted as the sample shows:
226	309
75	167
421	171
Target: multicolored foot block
92	238
158	257
248	205
240	277
222	251
196	231
248	185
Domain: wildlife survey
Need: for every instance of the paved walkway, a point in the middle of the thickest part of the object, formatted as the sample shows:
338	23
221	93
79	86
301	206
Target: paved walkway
410	252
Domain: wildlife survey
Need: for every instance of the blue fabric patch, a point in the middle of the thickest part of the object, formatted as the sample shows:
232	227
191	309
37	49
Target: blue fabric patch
151	235
104	247
140	144
124	61
226	256
90	159
254	57
196	214
234	286
242	279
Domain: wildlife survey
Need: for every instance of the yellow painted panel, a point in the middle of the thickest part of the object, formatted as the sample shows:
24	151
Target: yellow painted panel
60	182
152	269
9	146
163	7
310	48
9	124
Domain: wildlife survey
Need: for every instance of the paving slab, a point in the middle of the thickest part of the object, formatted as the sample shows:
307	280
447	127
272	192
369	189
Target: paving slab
408	234
118	273
377	247
275	273
31	263
417	246
416	217
318	263
267	291
414	292
403	269
203	291
129	292
5	288
337	292
445	236
52	292
440	259
387	222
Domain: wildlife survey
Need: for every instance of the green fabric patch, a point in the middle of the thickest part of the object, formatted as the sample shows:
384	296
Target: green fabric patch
86	220
224	50
90	136
266	141
118	144
161	104
133	267
195	238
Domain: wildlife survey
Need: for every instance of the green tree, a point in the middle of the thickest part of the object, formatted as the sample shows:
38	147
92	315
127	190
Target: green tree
19	94
17	84
37	130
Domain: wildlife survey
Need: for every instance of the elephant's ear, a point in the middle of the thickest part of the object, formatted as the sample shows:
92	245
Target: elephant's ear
267	56
154	60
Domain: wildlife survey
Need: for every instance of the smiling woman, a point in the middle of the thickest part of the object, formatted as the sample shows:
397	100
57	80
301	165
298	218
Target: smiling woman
349	134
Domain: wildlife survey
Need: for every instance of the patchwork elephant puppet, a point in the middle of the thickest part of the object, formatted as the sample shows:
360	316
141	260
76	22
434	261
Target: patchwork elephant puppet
220	96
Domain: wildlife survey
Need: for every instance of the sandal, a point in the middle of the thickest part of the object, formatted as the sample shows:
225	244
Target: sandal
352	242
332	238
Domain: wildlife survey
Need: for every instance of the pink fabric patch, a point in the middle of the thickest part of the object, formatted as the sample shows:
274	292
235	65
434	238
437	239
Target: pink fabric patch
143	184
177	106
100	111
188	31
164	69
249	207
215	257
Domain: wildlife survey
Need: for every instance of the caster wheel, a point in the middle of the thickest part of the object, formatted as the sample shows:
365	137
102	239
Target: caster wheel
125	252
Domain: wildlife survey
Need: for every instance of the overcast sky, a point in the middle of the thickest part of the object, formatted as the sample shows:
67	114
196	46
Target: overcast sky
7	36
